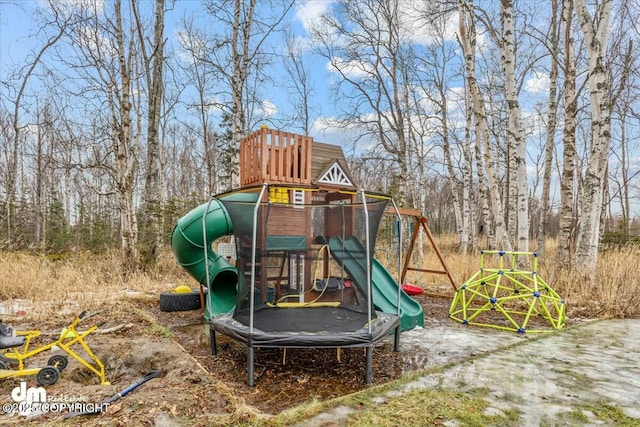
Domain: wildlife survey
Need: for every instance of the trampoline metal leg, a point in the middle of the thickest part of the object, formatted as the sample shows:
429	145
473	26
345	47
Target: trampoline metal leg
214	344
396	340
367	375
250	367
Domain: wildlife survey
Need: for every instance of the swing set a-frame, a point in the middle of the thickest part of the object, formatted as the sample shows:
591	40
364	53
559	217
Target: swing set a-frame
518	294
421	222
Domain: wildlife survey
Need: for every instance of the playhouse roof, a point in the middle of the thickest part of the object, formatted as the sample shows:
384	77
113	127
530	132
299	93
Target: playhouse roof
330	158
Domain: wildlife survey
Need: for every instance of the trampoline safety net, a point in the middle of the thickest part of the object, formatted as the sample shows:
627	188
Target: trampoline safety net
306	252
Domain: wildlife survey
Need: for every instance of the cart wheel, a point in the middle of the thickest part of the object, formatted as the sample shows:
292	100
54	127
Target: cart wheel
60	361
7	361
184	301
48	375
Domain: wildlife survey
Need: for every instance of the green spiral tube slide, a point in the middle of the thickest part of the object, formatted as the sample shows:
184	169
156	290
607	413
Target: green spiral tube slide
188	241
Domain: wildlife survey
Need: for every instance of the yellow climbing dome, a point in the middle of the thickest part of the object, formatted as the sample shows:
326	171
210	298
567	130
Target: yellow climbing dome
508	298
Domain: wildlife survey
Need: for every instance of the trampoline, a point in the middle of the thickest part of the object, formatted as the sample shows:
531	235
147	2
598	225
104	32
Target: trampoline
306	327
292	291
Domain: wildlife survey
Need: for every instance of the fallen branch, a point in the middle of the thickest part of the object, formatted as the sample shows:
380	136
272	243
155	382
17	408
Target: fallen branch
113	329
184	350
95	313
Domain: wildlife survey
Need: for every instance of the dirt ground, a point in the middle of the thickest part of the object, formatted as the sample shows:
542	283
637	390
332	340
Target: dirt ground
197	388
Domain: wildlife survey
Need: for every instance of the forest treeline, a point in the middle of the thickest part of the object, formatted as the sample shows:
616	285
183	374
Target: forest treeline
504	122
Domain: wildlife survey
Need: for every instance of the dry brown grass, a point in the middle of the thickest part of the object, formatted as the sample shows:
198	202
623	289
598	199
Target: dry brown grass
42	286
614	292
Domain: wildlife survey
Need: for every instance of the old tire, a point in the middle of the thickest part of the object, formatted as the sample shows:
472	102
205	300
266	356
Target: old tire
180	301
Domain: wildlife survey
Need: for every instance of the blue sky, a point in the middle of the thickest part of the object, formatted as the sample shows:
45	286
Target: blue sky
17	25
17	29
16	43
14	29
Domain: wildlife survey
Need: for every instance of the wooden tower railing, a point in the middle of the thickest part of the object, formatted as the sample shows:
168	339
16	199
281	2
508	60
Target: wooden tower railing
273	156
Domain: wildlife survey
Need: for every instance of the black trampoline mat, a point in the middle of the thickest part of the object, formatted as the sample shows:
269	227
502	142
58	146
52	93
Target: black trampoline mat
308	319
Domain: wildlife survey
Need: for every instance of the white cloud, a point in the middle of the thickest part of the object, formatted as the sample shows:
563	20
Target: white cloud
214	105
420	28
351	69
268	108
323	125
416	20
308	12
538	83
334	131
456	94
191	46
92	39
69	6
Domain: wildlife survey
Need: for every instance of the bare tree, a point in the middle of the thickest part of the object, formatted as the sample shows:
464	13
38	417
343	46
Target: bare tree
122	145
467	39
104	59
41	158
365	44
552	112
623	84
16	125
438	61
567	220
468	196
301	82
595	31
193	41
243	49
153	64
240	58
515	130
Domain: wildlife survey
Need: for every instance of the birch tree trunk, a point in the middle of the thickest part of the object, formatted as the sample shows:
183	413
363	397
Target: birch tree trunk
240	36
621	100
567	223
595	31
461	229
436	59
551	129
515	131
511	183
468	238
39	217
153	67
122	147
468	43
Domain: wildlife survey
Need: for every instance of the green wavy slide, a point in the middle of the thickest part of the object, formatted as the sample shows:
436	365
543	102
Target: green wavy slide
188	241
384	288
